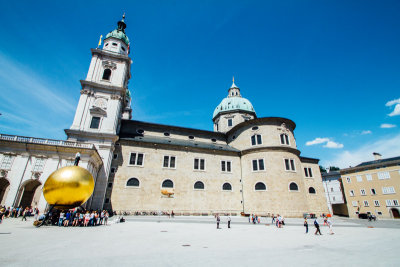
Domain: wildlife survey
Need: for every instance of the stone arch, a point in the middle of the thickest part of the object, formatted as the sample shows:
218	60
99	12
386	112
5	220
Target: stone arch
198	185
227	187
107	74
167	184
260	186
395	213
4	188
29	193
293	187
133	182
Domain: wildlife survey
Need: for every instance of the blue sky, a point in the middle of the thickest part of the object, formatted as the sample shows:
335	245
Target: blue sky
330	66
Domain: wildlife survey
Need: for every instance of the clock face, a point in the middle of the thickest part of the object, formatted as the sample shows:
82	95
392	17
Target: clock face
101	103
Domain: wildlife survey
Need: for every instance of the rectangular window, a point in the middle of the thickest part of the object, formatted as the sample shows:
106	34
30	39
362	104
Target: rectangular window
348	179
94	124
169	162
388	190
383	175
389	202
355	204
199	164
369	177
256	140
229	122
284	139
359	178
376	203
226	166
373	192
6	162
395	202
352	193
362	192
258	165
39	165
366	204
308	172
136	159
331	189
289	165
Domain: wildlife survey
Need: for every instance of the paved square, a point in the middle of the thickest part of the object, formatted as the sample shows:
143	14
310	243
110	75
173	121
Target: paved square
195	241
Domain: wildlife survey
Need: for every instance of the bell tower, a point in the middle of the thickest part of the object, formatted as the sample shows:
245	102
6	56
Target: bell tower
104	101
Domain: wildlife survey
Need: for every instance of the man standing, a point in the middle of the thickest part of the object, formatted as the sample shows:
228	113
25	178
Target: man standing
77	158
229	222
218	220
316	224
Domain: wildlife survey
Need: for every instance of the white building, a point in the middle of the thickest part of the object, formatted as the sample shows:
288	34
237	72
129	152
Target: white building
333	189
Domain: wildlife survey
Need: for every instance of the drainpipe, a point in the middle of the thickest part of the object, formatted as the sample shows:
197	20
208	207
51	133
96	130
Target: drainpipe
241	180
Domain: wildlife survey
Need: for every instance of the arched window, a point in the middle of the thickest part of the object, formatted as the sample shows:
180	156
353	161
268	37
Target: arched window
293	187
107	74
168	184
227	187
260	186
311	190
198	185
133	182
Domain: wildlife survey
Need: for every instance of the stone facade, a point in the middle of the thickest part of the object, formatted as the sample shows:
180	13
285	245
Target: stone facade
26	162
235	147
373	187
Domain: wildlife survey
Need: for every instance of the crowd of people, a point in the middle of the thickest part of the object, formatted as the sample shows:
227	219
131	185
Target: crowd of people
77	217
12	212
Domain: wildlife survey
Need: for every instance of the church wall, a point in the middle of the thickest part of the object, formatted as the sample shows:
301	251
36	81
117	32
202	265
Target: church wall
270	133
237	117
186	199
277	198
317	202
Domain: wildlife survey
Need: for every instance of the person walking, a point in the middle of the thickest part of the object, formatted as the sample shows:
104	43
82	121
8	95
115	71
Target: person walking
306	224
229	222
329	222
218	220
273	218
25	213
316	224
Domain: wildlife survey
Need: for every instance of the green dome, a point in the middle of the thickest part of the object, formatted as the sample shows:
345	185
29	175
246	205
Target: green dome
118	34
234	103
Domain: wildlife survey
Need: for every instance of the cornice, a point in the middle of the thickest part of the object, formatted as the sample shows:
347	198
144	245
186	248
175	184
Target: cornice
105	87
96	51
94	135
271	148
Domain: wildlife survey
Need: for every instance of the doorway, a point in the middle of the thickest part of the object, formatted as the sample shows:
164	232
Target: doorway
4	187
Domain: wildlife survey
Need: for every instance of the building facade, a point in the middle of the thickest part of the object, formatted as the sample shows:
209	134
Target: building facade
373	187
247	164
333	189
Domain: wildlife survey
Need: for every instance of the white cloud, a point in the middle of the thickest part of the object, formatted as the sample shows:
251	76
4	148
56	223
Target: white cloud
331	144
396	103
387	126
328	143
366	132
317	141
387	146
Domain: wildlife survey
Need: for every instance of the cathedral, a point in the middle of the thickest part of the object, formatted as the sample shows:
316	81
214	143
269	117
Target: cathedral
247	164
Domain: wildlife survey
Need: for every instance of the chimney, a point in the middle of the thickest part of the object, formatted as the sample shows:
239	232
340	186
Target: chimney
377	156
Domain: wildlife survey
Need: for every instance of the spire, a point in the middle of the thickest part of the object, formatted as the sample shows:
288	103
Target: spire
121	24
233	83
234	91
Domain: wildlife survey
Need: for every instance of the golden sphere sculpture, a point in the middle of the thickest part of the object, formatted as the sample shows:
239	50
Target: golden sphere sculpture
69	186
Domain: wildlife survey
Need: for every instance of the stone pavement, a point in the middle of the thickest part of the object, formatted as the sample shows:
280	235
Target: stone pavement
191	241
